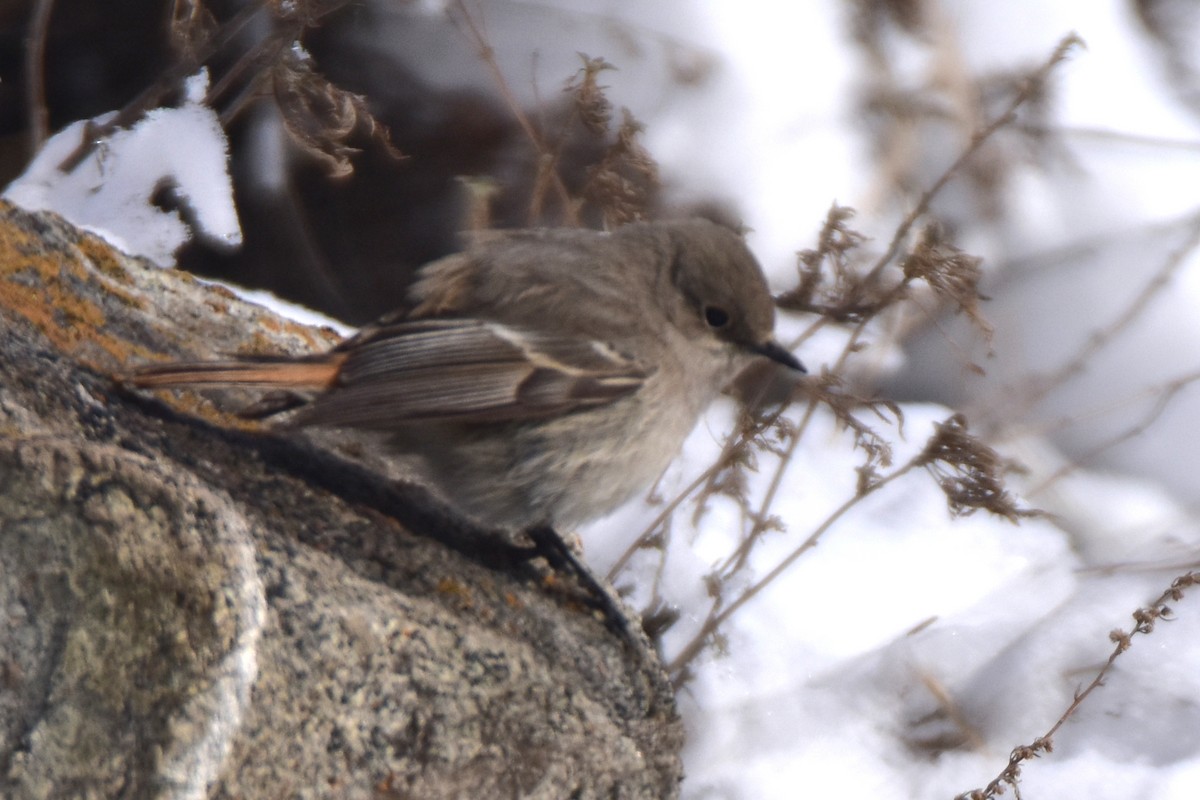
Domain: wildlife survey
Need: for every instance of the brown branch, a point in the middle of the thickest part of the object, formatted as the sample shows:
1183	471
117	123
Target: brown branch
35	74
967	470
547	162
718	615
1166	394
152	95
1029	89
1101	338
1110	135
650	531
1145	619
901	288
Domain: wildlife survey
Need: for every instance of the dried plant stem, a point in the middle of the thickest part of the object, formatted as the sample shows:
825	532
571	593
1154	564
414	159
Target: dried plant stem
969	484
1144	619
547	166
1030	87
1158	143
891	296
719	614
648	533
737	559
265	51
153	94
244	98
1166	393
1101	338
732	444
35	73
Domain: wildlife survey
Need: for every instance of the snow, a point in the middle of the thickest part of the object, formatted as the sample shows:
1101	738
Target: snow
284	308
110	192
909	651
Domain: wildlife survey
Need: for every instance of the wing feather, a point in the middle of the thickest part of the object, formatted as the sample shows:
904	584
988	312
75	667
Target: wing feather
469	371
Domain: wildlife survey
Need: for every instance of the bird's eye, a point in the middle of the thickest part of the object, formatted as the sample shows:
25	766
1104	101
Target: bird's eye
716	317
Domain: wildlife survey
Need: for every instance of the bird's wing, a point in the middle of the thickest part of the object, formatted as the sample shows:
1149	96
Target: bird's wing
468	371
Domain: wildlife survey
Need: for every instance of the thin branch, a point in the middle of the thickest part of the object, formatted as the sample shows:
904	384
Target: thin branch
1166	394
1110	135
1101	338
35	74
1145	619
153	94
648	533
717	615
732	444
1030	87
901	288
265	51
547	166
738	558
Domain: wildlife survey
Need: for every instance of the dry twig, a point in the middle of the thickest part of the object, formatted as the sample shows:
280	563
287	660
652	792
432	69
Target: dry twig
1145	620
35	73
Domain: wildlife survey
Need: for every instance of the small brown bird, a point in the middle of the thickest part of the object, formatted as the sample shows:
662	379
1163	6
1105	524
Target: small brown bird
542	376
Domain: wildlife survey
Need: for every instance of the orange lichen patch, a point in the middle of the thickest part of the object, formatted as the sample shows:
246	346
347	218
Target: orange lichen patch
218	298
222	291
273	324
56	292
269	331
86	300
195	404
110	270
318	338
314	338
101	256
217	305
258	344
457	590
16	244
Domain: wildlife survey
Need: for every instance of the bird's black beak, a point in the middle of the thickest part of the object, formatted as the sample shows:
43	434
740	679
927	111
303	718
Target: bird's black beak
776	352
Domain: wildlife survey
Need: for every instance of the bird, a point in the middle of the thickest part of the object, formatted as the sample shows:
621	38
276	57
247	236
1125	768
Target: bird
542	377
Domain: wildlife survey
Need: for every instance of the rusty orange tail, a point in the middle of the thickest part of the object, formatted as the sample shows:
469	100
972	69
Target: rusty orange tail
264	374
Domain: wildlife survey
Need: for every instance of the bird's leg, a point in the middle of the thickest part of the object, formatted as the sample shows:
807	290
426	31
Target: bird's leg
548	544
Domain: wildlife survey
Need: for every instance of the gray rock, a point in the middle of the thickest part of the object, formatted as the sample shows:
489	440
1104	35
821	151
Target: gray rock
193	607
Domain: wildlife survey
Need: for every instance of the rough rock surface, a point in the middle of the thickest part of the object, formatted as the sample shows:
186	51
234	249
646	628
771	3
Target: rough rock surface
191	606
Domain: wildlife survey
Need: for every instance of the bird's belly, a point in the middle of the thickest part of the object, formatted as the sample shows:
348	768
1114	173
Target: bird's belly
560	472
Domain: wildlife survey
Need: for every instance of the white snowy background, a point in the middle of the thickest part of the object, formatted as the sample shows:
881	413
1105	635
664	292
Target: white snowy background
909	652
